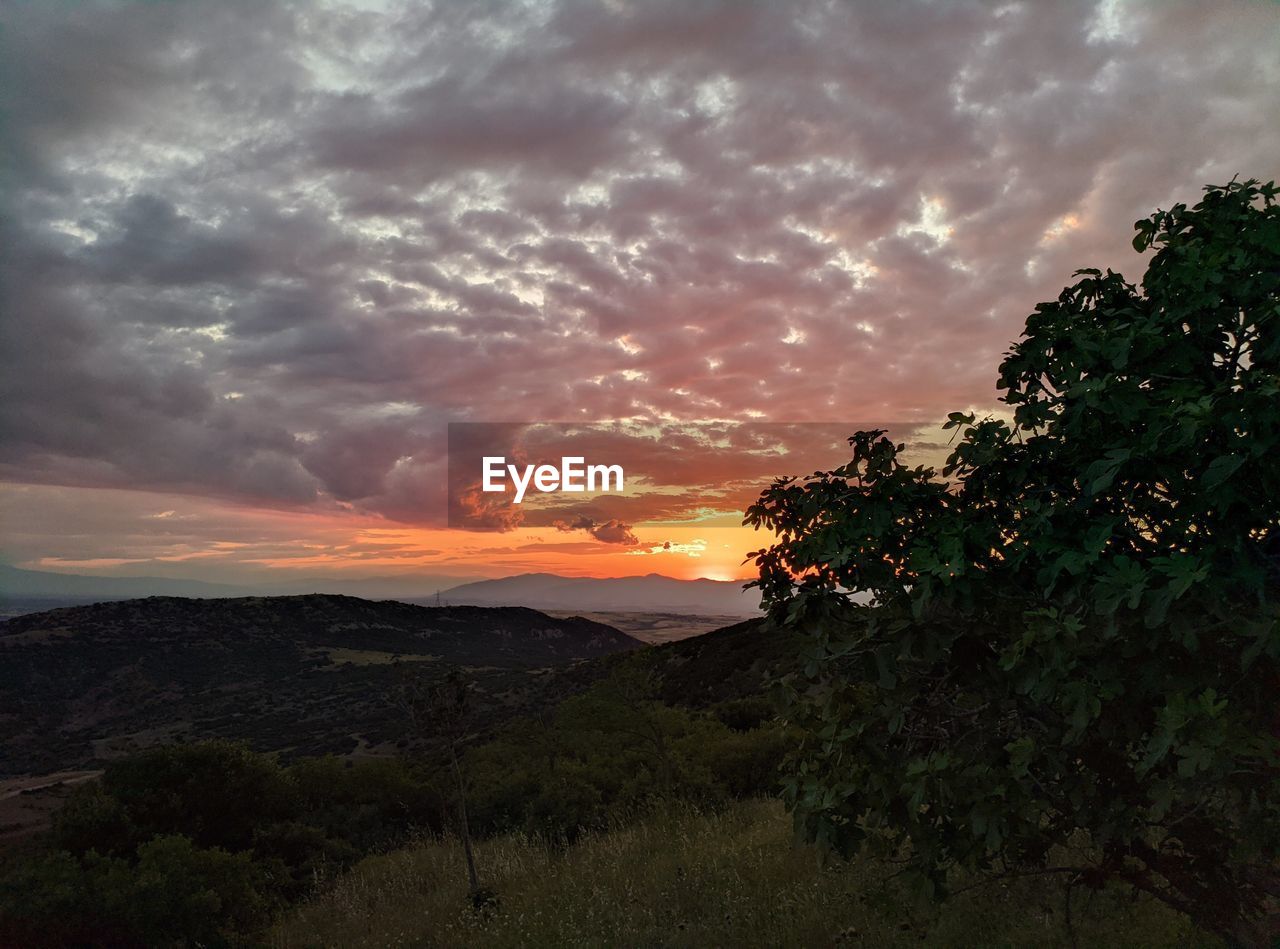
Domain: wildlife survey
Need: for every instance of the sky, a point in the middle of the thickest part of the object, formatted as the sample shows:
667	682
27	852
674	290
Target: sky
256	256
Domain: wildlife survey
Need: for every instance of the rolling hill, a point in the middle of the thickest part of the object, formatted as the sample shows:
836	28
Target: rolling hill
306	674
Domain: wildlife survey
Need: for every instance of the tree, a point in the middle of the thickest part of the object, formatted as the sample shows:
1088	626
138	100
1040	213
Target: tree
442	711
174	893
1071	657
181	894
218	793
626	705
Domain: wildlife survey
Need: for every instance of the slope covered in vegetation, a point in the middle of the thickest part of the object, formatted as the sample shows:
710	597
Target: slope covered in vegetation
682	876
300	674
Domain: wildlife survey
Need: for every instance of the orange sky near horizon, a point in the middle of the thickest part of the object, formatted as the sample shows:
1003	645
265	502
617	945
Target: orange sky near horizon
680	515
122	532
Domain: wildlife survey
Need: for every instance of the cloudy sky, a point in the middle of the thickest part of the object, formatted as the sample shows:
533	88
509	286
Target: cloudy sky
256	256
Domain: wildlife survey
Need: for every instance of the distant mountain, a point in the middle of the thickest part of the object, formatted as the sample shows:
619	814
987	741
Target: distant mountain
24	591
304	674
653	593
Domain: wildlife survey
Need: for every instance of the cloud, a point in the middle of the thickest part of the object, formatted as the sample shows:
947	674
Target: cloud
607	532
614	532
263	253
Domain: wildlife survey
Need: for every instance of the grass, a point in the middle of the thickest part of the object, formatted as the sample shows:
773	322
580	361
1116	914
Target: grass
369	657
695	879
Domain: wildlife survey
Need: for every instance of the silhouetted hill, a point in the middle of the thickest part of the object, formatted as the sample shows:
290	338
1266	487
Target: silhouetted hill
305	674
653	593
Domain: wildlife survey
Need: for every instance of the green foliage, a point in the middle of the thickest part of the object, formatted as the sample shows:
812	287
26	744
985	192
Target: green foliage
47	895
200	843
613	752
217	793
173	894
181	894
743	715
93	819
1078	632
368	804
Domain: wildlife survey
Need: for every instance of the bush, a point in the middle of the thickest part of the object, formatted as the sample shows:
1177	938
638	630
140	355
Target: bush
175	894
180	894
610	754
744	715
217	793
198	843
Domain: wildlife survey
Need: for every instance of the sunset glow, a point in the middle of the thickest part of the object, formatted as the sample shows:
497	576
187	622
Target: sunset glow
260	256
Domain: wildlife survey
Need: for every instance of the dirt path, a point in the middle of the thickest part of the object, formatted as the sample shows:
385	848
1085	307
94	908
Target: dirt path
27	804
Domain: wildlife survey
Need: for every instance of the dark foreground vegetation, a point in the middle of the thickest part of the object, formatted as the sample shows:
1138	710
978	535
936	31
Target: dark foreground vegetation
1078	635
684	876
613	819
205	843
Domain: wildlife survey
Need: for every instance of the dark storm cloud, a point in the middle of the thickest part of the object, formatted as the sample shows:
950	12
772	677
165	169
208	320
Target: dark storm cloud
266	251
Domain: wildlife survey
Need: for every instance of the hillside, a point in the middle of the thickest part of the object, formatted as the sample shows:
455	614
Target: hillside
305	674
737	662
607	807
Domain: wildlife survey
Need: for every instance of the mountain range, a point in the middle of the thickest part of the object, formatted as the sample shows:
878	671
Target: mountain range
33	590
